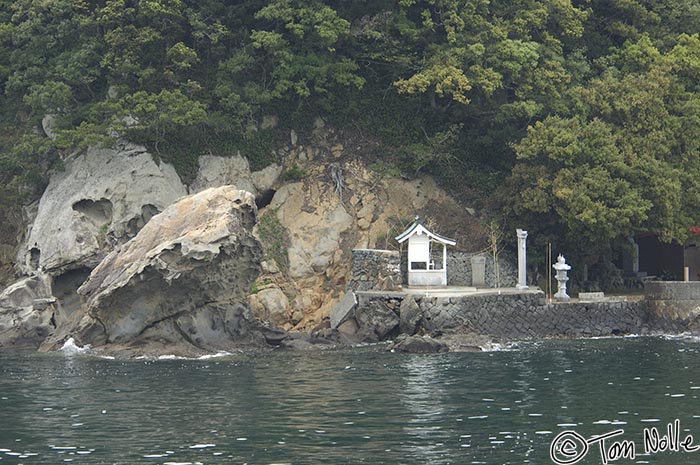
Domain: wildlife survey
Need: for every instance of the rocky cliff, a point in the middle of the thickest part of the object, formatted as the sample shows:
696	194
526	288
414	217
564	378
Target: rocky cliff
154	271
179	286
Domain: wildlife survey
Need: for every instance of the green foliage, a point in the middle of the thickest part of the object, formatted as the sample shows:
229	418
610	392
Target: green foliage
275	239
591	110
293	173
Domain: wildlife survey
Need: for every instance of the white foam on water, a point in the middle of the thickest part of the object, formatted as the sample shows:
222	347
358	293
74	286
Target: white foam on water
220	354
650	420
154	456
543	432
477	417
677	395
62	447
202	446
70	347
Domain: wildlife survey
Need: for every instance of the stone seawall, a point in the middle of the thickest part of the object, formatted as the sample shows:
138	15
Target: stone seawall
508	315
668	308
520	316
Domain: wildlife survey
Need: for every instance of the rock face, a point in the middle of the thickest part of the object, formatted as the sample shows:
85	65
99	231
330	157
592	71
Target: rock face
409	315
220	171
180	286
337	206
270	304
26	312
103	197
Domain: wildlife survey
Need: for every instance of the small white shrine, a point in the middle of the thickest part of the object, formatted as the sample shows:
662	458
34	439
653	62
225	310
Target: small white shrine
427	264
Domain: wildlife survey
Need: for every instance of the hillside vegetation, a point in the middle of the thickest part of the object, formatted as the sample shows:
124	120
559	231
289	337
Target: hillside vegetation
577	120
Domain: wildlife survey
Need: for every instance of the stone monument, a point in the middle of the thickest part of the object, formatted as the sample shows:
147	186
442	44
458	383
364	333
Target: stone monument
562	270
478	263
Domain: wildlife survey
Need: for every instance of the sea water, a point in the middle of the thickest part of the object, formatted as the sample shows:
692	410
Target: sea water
525	404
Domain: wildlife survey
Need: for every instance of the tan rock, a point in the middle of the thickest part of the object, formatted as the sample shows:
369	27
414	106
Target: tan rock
273	306
315	236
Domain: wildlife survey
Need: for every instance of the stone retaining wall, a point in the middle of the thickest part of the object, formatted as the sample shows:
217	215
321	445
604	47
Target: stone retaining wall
374	269
668	307
459	270
519	316
510	315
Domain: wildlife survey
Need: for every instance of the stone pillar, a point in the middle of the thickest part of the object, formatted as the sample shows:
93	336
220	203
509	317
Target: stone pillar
478	270
522	259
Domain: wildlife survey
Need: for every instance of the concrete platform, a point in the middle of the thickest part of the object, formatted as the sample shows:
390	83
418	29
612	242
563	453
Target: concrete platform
457	291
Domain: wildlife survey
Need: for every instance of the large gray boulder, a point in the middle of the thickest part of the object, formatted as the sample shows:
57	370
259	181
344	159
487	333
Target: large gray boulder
409	315
376	321
27	312
217	171
180	286
103	197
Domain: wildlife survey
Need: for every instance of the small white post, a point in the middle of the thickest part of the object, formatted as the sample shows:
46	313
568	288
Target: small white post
444	262
522	259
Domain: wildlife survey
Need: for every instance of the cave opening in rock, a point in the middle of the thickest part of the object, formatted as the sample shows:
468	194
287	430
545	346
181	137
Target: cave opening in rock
135	224
65	287
34	258
264	198
98	211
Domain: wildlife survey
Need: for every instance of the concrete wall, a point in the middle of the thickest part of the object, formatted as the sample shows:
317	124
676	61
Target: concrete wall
674	306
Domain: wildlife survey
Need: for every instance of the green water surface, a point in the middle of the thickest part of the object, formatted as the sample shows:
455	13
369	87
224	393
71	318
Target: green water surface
363	406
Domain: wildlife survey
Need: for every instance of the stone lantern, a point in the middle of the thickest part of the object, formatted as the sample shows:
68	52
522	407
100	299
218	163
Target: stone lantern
562	270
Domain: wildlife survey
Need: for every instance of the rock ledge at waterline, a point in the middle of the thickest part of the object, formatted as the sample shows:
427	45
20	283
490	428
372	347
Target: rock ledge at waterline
179	286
